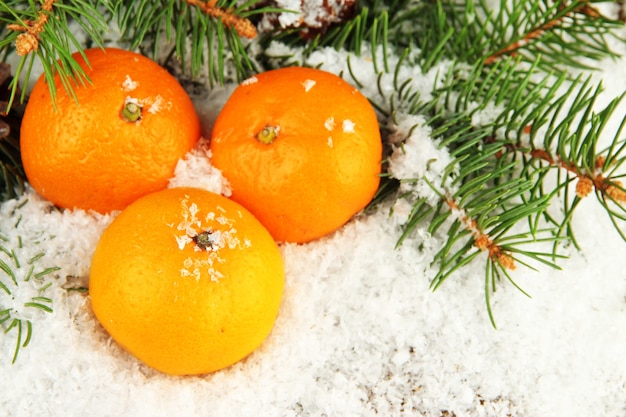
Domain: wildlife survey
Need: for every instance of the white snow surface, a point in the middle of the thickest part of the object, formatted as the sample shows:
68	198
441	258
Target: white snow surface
359	332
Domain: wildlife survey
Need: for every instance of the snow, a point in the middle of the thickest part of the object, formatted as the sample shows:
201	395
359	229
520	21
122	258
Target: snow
308	84
308	14
348	126
250	81
129	84
329	123
359	332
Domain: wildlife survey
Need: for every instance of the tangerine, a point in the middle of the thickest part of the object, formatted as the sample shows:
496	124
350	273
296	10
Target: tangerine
301	149
120	138
187	281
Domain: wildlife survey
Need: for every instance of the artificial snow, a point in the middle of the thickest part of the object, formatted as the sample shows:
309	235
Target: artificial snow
329	123
250	81
359	332
308	84
129	84
347	126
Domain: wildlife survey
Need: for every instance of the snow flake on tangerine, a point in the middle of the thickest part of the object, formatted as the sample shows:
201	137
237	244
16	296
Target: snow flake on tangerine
157	104
308	84
329	123
190	222
348	126
250	81
330	142
182	241
129	84
193	267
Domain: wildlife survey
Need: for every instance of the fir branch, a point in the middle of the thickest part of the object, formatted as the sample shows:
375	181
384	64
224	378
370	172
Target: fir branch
481	207
485	206
544	25
205	32
202	34
572	130
28	41
564	33
43	30
579	161
241	25
494	198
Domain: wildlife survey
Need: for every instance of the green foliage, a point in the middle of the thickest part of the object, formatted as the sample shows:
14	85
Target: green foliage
199	39
56	40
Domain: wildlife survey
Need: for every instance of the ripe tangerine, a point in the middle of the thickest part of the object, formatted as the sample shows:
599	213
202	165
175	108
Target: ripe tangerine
118	139
301	149
187	281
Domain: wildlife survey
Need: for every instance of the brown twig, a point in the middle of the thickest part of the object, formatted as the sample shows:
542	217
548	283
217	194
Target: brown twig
28	40
481	239
512	48
587	182
242	26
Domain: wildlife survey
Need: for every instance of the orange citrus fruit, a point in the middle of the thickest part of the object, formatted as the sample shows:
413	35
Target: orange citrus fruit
186	280
301	149
117	141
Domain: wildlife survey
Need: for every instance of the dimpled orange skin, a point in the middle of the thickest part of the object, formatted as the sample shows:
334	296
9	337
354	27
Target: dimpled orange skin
147	294
322	168
85	155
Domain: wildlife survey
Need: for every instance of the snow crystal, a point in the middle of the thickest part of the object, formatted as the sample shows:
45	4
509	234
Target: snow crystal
329	123
250	81
129	84
348	126
183	241
308	84
195	170
416	156
157	104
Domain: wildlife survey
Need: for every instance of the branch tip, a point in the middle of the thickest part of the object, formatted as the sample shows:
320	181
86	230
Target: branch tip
28	41
482	240
242	26
584	186
511	49
616	192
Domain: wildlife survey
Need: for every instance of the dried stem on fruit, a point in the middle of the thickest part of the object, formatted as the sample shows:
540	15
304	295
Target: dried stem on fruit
268	134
